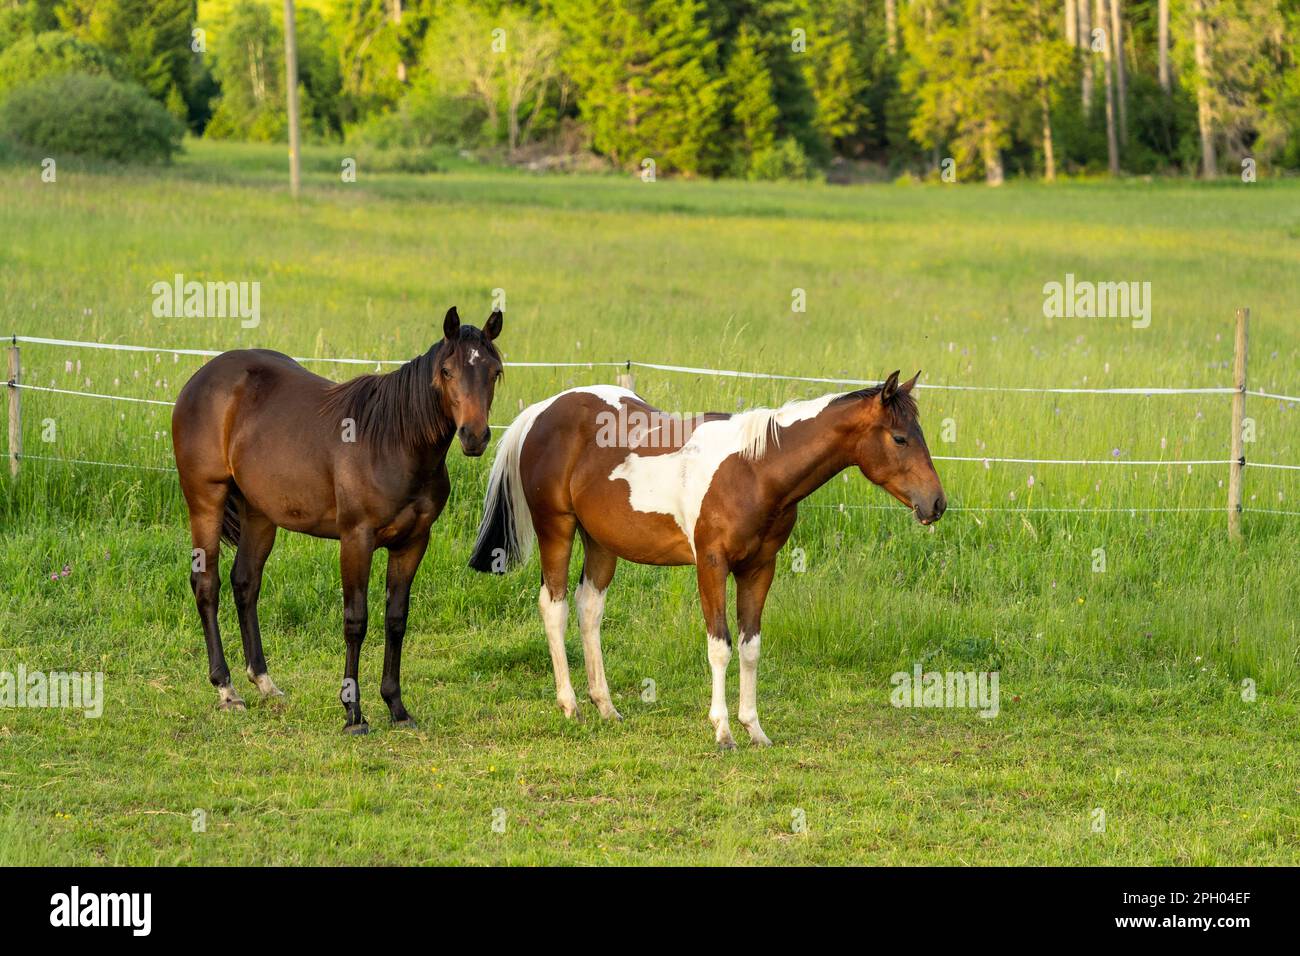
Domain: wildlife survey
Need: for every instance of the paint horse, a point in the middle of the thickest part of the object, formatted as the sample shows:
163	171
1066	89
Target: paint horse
261	443
721	495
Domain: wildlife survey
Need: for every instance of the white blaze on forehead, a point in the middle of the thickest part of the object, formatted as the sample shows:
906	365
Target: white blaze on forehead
473	356
675	484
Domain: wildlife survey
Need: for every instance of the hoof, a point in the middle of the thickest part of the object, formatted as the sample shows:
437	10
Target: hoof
228	698
569	708
756	735
265	686
407	723
607	710
356	730
727	744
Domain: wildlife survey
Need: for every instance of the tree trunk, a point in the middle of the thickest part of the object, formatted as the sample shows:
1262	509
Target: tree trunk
1204	110
395	14
1071	23
993	174
1163	31
1044	98
1085	44
1049	153
991	155
1107	66
512	125
891	26
291	94
1121	76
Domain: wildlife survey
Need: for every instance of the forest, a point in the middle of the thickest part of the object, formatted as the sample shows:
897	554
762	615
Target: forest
965	90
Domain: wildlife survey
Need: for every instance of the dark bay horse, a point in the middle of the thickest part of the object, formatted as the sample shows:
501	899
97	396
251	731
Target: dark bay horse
720	493
261	443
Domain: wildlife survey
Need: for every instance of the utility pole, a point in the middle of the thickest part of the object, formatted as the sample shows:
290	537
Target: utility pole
291	91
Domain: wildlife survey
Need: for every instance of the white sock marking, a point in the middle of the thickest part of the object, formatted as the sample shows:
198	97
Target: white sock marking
748	711
591	608
555	618
719	658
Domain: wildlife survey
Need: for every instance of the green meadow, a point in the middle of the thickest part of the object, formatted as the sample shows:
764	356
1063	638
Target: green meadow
1149	691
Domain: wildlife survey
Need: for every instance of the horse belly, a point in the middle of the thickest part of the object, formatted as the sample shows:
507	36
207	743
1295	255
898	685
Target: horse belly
638	523
288	498
637	536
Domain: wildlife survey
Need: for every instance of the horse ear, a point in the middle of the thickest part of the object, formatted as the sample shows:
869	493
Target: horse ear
493	327
890	388
451	324
906	387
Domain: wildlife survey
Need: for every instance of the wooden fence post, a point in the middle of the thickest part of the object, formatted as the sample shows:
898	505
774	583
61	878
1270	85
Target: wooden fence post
1238	465
15	410
626	379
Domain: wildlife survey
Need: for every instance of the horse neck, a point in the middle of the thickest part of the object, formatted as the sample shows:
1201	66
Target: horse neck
820	449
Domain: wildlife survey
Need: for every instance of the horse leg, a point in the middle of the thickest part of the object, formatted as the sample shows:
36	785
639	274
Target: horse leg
711	572
751	592
598	564
402	565
207	503
555	544
256	538
356	548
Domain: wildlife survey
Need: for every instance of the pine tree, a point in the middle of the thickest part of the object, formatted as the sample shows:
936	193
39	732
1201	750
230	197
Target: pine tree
971	79
753	111
836	81
648	80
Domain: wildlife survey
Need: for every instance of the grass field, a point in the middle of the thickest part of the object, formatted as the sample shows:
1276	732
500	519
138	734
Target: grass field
1120	690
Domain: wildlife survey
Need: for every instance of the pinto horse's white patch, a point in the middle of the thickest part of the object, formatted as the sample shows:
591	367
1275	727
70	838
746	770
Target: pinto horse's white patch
675	484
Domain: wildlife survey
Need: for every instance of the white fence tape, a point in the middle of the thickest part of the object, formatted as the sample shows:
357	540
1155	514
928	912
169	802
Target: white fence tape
67	391
694	370
72	343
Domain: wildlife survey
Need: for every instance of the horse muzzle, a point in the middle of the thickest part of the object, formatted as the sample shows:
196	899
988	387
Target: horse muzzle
929	515
471	444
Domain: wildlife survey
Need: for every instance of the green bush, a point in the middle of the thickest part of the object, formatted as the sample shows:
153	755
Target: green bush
785	160
52	53
427	116
402	159
90	116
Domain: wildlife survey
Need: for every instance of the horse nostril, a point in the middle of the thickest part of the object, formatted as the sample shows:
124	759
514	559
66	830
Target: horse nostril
940	505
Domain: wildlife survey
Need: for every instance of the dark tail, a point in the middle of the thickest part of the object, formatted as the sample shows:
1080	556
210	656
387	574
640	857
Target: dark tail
230	518
493	544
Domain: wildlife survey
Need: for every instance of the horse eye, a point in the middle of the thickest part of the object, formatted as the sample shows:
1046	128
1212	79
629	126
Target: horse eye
446	371
900	440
